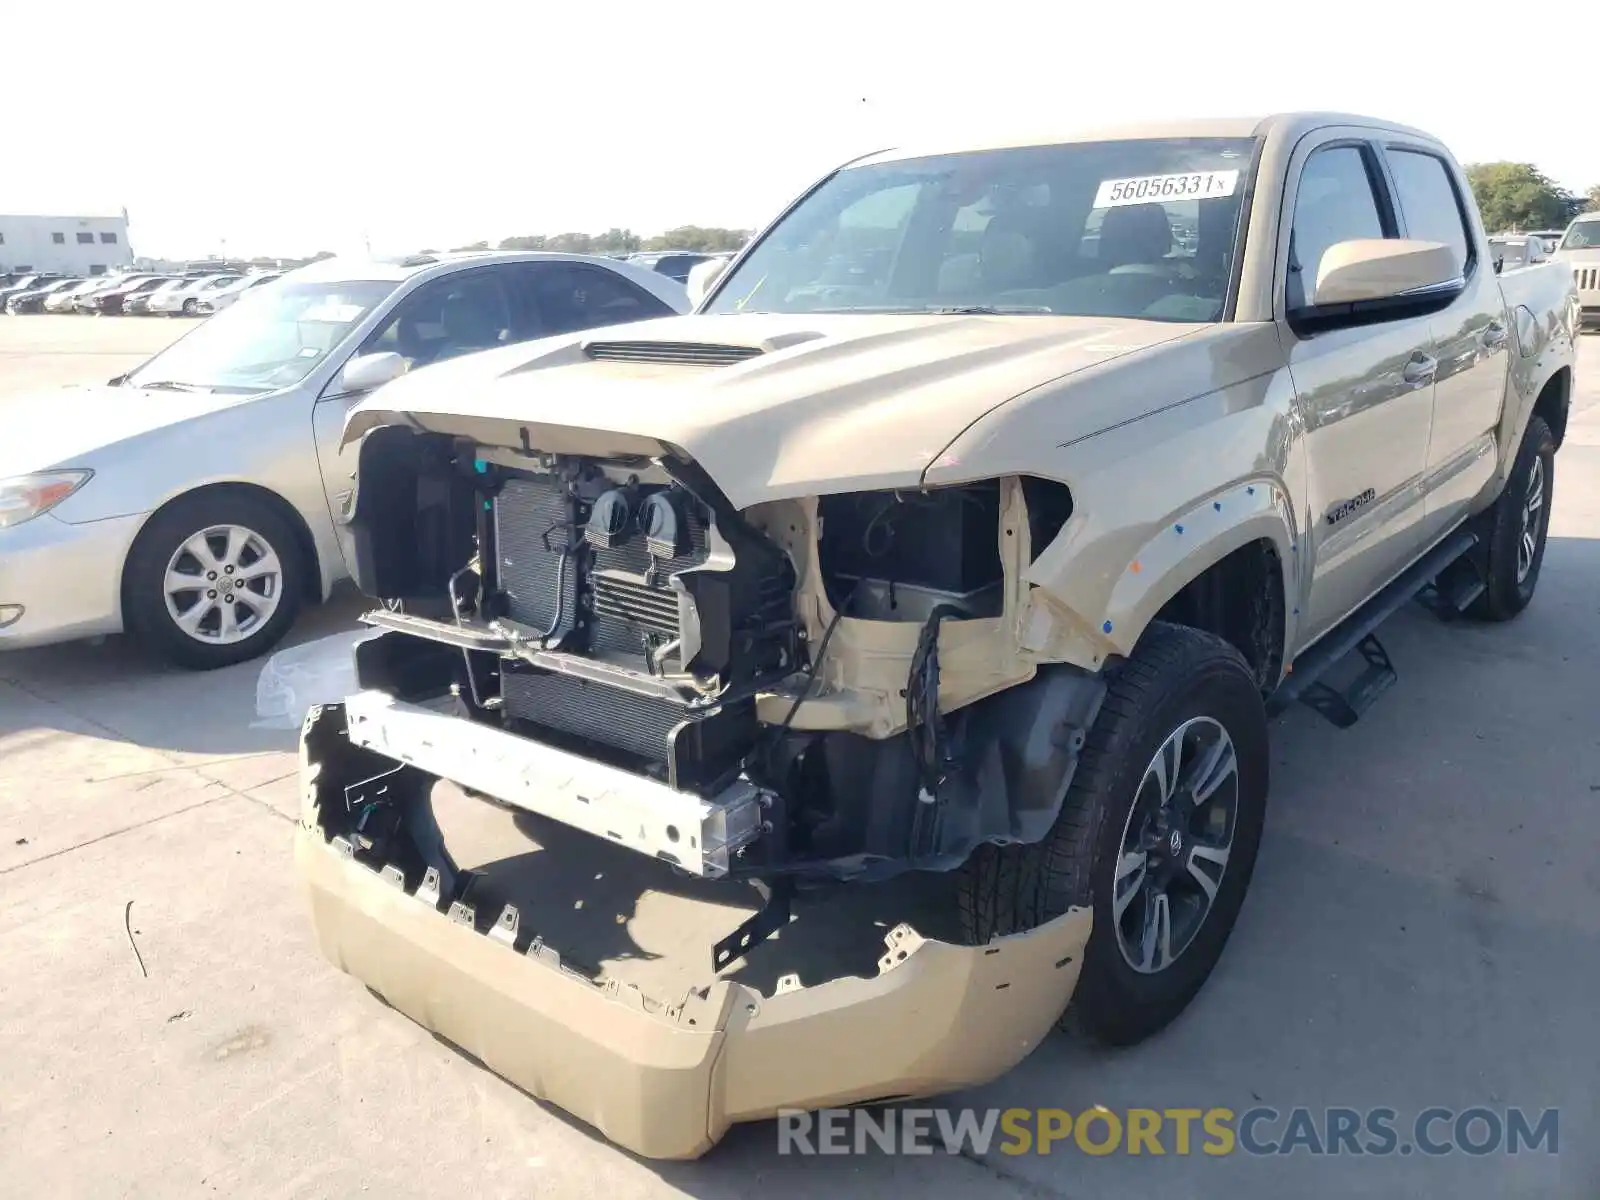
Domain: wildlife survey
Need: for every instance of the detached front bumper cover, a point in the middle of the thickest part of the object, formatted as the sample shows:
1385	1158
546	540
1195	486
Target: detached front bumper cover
667	1079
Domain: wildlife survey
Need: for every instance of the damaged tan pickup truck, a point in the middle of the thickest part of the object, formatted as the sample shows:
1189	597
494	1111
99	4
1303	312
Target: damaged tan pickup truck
815	699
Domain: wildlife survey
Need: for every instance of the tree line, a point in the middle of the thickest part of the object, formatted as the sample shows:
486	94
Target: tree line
1513	196
1510	196
624	241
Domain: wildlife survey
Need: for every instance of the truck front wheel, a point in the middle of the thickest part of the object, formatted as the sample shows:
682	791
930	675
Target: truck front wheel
1158	835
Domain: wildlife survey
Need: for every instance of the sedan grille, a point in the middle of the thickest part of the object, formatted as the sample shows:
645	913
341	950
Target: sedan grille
680	353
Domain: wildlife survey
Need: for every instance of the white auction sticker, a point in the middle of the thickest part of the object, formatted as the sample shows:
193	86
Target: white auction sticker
1153	189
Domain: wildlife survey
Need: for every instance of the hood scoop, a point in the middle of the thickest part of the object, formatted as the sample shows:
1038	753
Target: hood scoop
696	354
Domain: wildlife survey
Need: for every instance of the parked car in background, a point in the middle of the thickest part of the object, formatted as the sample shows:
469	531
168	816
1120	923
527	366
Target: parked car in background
66	299
194	500
674	264
138	303
108	301
31	299
1550	237
1512	250
184	300
214	300
1580	250
23	283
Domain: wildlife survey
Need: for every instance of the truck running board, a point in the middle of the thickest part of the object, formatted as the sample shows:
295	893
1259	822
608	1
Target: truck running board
1344	707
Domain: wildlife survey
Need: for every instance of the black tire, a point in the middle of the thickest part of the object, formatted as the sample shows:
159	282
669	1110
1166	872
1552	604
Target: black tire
144	597
1175	674
190	307
1505	594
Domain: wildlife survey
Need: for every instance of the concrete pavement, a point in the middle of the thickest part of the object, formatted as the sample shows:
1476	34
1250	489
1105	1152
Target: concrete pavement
1423	929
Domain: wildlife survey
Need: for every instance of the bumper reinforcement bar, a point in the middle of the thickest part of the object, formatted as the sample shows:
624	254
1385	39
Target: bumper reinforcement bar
689	831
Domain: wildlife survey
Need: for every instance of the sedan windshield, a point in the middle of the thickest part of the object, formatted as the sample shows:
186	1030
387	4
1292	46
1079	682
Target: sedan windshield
270	338
1583	235
1137	228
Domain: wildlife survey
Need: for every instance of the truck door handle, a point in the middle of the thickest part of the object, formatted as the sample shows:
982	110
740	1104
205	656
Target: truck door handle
1494	337
1421	369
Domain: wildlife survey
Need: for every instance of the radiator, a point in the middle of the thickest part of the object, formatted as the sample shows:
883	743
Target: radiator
611	716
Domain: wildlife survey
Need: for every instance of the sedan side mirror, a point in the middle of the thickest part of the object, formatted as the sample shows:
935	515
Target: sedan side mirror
366	372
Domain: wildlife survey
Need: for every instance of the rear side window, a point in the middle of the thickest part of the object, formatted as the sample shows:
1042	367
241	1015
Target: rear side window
1430	203
568	297
1334	203
446	318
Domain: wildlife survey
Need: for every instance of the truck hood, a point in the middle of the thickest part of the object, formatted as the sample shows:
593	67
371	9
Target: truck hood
772	406
65	427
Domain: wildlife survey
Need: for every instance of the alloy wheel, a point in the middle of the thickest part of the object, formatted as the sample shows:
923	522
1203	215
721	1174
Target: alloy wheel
1175	845
223	584
1532	516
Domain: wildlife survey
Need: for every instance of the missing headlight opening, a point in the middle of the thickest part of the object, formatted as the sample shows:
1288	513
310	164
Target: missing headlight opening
814	690
896	555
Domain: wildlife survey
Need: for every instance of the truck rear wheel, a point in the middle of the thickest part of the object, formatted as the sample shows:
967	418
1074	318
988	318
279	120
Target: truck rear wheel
1517	527
1158	834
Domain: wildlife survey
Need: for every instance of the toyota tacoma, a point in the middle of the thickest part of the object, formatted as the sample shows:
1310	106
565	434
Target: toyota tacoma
817	698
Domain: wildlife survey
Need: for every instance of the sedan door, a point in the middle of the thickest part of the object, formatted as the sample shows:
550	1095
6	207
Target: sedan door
1364	393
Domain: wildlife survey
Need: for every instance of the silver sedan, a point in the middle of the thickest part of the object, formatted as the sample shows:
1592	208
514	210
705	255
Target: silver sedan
192	501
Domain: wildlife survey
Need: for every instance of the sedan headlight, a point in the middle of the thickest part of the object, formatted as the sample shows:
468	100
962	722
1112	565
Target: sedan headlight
24	497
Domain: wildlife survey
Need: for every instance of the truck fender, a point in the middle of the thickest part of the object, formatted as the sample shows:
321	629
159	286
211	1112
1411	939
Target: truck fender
1195	539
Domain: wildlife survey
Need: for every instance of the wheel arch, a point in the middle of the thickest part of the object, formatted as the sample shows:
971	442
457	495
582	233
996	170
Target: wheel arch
1241	598
1554	402
302	532
1195	568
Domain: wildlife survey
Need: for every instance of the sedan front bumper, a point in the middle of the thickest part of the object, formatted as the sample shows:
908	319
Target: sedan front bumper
663	1078
66	578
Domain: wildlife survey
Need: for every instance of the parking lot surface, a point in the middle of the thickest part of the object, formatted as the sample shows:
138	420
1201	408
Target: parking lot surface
1423	930
43	352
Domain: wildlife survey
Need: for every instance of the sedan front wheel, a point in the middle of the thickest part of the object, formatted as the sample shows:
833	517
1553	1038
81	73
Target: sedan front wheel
214	580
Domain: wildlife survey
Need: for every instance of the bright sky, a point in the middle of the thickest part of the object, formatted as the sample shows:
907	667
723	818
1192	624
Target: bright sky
287	126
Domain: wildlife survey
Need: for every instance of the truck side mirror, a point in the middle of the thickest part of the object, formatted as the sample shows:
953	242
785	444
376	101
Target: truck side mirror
702	276
1374	279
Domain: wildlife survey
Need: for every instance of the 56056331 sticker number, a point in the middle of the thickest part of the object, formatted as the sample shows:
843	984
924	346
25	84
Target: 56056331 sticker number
1153	189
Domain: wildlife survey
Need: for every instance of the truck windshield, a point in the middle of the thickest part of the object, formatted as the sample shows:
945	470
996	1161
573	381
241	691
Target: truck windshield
1145	228
270	338
1583	235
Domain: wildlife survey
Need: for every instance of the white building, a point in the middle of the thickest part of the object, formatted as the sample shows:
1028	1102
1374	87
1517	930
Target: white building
65	245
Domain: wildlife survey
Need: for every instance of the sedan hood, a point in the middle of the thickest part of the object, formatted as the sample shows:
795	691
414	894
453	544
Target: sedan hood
772	406
64	427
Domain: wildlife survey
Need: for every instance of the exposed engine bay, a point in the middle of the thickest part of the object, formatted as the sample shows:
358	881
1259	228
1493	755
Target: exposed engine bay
824	689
